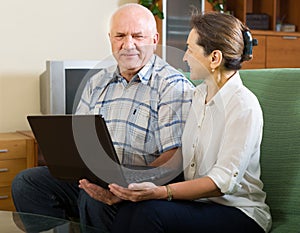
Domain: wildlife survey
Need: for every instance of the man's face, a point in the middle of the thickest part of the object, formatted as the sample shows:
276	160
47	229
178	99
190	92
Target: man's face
133	42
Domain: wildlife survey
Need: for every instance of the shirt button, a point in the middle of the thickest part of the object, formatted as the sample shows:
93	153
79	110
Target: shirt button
192	164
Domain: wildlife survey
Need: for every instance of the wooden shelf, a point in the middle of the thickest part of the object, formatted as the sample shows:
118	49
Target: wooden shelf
274	33
276	49
286	10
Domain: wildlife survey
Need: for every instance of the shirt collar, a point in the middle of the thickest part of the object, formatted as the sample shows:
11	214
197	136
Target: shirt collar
230	87
143	75
224	95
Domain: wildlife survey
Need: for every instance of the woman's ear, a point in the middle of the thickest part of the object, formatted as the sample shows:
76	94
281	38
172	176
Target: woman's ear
216	59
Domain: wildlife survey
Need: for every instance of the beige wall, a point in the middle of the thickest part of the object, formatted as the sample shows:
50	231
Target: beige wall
34	31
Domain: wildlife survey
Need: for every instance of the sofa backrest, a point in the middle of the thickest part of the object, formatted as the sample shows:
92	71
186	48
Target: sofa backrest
278	91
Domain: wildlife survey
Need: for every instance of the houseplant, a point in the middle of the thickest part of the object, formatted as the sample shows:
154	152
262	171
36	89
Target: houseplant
153	6
218	5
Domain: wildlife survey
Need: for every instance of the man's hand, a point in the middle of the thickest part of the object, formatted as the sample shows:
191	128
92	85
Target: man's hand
98	193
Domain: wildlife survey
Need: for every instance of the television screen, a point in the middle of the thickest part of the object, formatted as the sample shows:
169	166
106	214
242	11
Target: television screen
74	78
61	81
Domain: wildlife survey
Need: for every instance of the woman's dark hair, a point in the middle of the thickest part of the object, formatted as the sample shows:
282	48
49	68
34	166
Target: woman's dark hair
224	32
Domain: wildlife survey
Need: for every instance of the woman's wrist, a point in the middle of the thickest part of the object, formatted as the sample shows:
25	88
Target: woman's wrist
169	193
161	193
165	192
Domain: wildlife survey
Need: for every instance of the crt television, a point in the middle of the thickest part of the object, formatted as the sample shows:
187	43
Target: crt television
62	82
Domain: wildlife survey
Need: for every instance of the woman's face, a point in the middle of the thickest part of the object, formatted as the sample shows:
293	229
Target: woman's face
195	57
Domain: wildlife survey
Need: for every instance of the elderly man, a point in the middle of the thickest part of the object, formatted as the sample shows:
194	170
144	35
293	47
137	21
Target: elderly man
145	103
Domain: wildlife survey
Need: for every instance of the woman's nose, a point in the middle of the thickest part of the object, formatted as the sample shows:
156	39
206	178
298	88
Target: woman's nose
184	57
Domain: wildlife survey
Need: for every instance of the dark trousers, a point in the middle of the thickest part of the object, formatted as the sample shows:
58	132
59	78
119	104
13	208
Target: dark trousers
36	191
160	216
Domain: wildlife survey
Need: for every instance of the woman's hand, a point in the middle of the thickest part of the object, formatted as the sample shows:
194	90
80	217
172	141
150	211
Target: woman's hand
138	191
98	193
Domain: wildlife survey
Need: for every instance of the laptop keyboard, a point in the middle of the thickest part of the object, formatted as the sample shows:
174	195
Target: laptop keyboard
137	176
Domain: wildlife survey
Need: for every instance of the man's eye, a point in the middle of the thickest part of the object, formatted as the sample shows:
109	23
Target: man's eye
138	37
119	37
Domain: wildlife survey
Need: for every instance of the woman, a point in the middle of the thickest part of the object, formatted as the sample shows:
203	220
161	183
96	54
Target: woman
222	191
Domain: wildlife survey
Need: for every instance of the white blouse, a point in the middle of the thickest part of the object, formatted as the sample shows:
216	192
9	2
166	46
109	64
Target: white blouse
221	140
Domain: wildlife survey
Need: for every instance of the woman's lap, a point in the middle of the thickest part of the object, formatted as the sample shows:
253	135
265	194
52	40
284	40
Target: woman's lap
181	216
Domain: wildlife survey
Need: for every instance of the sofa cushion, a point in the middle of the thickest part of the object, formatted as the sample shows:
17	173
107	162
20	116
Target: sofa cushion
278	91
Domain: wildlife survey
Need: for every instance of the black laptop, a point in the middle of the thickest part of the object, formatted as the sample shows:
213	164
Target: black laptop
80	146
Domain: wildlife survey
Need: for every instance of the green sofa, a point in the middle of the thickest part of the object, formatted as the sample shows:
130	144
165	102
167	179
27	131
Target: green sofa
278	91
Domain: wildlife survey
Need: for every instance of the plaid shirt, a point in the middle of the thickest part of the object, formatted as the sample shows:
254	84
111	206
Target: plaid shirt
145	116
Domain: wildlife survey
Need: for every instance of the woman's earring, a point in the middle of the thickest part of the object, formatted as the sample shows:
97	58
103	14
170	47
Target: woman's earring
212	70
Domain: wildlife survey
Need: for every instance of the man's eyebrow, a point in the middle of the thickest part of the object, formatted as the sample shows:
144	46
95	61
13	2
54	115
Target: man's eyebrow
134	33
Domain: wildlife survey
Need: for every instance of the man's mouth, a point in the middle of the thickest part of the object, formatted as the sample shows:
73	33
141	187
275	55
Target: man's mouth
129	54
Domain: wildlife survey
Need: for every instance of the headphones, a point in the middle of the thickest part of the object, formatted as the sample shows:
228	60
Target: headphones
249	42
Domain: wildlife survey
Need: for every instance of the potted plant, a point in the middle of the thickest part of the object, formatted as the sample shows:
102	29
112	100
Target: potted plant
218	5
153	6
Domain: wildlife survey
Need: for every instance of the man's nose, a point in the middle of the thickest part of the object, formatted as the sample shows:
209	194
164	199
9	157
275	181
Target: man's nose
128	42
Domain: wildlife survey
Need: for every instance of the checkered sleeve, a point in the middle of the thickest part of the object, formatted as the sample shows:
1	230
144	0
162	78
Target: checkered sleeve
175	93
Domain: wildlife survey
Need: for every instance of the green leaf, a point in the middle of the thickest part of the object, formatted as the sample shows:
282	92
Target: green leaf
146	3
160	15
152	5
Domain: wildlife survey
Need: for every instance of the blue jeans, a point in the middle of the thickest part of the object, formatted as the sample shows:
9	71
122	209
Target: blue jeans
36	191
161	216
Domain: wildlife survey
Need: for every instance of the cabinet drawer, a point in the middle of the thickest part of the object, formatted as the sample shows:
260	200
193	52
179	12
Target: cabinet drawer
283	51
9	169
11	149
6	202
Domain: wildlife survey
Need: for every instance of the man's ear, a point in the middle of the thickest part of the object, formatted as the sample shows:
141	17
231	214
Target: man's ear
155	41
216	59
156	38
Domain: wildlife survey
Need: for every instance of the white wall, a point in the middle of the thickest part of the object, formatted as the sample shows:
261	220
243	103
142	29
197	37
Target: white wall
34	31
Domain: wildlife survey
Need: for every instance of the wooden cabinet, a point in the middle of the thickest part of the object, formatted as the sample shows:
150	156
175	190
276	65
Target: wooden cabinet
278	11
38	157
16	154
283	51
276	49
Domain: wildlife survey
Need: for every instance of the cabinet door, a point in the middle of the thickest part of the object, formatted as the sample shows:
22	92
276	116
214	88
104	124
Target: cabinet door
9	169
6	202
12	149
283	51
259	55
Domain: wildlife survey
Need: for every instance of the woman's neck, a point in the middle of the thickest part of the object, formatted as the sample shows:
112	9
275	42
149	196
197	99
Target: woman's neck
215	84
